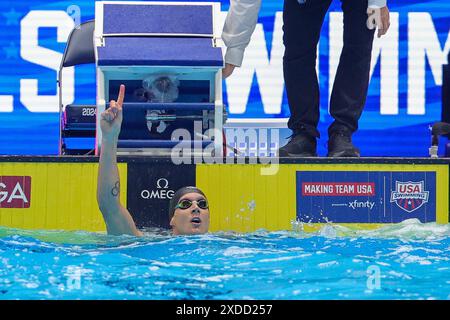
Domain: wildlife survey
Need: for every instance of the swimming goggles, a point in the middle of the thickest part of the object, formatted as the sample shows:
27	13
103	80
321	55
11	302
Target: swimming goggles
186	204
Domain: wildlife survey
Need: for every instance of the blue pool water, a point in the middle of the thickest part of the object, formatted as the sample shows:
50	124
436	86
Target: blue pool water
405	261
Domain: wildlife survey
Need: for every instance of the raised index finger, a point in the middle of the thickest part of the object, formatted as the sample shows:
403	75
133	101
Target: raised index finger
121	95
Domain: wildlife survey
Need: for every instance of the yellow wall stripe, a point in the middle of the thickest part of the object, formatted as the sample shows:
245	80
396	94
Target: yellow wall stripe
242	199
63	196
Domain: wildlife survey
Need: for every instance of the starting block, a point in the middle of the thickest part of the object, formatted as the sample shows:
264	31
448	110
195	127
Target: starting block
169	57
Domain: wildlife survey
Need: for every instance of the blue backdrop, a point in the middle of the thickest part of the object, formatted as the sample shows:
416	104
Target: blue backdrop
404	95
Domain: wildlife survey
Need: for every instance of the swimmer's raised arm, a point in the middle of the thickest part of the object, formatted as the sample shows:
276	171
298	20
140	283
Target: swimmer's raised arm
117	218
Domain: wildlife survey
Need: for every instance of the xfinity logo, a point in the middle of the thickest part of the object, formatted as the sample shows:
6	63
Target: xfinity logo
361	204
15	191
162	191
356	204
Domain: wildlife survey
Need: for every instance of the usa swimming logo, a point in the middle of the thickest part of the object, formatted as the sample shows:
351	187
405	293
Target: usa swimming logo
409	196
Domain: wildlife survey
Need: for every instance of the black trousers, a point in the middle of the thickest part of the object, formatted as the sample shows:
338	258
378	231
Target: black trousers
302	26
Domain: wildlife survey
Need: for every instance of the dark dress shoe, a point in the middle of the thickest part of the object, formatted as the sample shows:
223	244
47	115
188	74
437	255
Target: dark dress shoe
340	145
300	145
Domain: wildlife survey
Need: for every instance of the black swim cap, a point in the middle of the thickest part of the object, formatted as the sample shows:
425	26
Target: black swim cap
177	196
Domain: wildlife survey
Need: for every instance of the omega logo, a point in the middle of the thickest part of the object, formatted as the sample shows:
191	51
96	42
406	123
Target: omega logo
162	191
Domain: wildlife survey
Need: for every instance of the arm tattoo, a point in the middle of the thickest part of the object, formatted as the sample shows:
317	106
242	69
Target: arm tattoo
116	190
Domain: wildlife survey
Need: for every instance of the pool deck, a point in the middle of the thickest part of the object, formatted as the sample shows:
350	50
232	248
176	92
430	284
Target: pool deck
246	160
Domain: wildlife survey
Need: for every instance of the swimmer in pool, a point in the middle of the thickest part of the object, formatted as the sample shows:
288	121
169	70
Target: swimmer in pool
188	209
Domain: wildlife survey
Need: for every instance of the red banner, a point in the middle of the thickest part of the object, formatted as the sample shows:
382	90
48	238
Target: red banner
338	189
15	191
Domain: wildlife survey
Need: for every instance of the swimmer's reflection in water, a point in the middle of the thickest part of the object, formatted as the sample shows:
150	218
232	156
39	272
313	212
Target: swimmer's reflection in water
188	210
